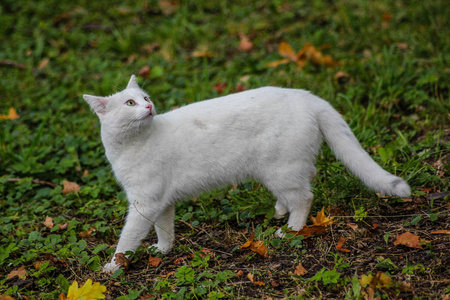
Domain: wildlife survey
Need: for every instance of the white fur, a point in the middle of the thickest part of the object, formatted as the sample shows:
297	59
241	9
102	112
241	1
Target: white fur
269	134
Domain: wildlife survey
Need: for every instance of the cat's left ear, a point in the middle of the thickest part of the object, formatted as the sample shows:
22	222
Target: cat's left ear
132	84
98	104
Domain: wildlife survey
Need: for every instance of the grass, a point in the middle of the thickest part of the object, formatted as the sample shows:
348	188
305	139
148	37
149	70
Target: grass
394	94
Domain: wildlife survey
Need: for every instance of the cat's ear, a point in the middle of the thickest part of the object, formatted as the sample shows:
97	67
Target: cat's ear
132	84
98	104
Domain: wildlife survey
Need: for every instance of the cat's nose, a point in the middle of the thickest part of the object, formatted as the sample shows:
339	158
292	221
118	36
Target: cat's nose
149	106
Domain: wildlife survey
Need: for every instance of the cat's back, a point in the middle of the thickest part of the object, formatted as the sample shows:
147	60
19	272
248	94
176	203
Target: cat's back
270	99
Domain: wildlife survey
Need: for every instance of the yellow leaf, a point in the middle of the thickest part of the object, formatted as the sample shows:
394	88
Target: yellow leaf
286	50
70	187
12	115
366	280
88	291
276	63
255	246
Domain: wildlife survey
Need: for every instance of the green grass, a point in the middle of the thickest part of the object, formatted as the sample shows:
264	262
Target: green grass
395	98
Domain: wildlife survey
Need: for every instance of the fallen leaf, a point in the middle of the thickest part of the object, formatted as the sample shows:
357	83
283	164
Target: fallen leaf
239	274
12	115
300	270
88	233
255	282
245	44
209	252
20	272
6	297
340	244
49	222
255	246
38	264
70	187
167	275
353	226
442	231
410	240
168	7
87	291
43	63
320	225
203	51
380	280
286	51
121	260
63	226
144	72
220	87
179	260
154	261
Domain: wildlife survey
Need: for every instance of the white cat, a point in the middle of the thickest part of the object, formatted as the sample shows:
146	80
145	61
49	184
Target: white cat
268	134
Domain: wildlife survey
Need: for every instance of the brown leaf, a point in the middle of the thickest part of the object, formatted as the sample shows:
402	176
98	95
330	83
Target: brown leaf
88	233
276	63
209	252
6	297
154	261
320	225
144	72
63	226
203	51
300	270
410	240
255	282
70	187
38	264
12	115
340	244
49	222
245	44
239	274
43	63
20	272
121	260
255	246
353	226
168	7
442	231
286	51
220	87
167	275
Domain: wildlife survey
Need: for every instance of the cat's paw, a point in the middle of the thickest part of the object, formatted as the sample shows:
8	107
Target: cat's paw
119	261
163	249
280	233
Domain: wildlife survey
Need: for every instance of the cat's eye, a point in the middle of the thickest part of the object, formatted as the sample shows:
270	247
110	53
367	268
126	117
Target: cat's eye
146	99
130	103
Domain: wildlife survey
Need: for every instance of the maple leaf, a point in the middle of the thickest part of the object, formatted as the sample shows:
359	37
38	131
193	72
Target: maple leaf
340	244
87	291
410	240
12	115
320	225
70	187
255	246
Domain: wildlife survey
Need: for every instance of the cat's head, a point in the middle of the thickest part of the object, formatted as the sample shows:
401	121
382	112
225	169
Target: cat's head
126	109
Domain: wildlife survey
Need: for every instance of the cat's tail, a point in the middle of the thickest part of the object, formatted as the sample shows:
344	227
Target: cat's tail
347	149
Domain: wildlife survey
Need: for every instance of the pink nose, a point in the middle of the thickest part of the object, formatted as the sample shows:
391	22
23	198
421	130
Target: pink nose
149	106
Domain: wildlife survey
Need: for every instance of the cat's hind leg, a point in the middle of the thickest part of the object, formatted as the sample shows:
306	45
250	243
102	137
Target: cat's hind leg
164	227
280	210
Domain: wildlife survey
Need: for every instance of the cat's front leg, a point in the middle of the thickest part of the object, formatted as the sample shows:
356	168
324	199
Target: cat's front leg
136	228
164	227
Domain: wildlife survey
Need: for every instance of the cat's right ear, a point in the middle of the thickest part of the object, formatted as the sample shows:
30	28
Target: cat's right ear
132	84
98	104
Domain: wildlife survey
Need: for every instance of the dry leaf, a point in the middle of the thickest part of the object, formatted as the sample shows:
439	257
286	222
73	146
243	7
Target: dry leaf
6	297
12	115
300	270
168	7
38	264
340	244
154	261
20	272
286	51
255	246
353	226
239	274
410	240
43	63
144	72
203	51
255	282
442	231
320	225
70	187
49	222
209	252
121	260
88	233
245	44
167	275
63	226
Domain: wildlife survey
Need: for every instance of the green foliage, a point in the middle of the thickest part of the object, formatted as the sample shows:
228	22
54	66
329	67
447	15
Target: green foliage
395	98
